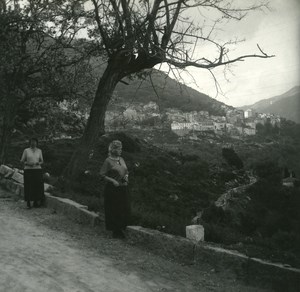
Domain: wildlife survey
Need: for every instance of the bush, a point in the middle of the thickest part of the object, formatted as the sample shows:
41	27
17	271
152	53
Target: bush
232	158
220	234
287	240
268	170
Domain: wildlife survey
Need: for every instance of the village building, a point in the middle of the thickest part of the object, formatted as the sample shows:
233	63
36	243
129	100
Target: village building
204	126
249	113
151	106
251	125
130	114
181	126
204	114
219	126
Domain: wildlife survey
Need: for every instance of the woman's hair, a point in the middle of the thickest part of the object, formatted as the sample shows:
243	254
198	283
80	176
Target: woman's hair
116	144
34	139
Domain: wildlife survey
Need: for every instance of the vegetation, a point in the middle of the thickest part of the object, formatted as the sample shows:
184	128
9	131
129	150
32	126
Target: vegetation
169	188
39	59
232	158
42	64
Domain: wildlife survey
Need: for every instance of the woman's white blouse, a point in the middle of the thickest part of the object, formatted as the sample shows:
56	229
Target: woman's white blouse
32	156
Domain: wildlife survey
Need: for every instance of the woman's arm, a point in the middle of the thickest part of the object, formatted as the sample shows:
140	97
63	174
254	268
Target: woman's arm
109	179
24	158
126	171
41	159
103	171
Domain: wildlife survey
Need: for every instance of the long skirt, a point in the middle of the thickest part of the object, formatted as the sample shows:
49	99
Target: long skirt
33	185
116	207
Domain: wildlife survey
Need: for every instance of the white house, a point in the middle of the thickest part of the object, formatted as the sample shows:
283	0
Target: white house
248	113
182	126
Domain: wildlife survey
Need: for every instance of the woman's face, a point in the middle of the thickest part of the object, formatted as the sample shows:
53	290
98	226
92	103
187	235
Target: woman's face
117	151
33	143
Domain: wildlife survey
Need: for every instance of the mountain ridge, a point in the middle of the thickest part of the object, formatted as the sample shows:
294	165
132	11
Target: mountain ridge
286	105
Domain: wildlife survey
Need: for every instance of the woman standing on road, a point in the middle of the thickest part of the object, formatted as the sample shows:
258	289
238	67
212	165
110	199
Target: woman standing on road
32	159
116	199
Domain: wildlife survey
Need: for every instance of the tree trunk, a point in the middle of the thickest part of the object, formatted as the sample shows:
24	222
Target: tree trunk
95	125
7	128
8	123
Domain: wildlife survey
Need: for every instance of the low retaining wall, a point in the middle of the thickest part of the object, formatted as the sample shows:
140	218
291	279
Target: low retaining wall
258	271
73	210
252	270
11	179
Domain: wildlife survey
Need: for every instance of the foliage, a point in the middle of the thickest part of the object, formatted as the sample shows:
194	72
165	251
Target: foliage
44	118
232	158
38	58
268	170
267	129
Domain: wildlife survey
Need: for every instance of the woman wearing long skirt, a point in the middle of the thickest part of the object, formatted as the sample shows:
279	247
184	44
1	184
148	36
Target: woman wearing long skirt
116	195
32	159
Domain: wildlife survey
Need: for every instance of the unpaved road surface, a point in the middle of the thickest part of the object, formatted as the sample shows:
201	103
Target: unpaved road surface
43	251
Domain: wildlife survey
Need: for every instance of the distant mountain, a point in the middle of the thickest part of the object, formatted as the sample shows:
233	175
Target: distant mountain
286	105
166	92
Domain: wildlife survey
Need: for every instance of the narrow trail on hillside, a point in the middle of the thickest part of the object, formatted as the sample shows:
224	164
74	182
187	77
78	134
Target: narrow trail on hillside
225	198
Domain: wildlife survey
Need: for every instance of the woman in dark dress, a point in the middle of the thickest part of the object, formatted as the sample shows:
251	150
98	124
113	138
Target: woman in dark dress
116	196
32	159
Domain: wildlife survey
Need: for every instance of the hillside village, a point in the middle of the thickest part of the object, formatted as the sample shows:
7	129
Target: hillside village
235	123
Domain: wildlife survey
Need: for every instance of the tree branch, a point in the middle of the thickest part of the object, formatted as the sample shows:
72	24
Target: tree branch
211	65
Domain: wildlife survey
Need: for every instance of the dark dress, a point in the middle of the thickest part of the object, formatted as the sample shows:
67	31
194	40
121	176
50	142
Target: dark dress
33	185
116	199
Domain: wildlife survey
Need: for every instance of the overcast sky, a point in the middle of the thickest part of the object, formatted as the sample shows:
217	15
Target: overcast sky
278	33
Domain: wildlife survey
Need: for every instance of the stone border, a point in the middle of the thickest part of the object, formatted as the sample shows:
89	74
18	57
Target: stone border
12	180
255	271
175	247
73	210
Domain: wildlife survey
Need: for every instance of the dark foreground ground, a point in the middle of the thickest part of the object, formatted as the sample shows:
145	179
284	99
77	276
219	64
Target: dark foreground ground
43	251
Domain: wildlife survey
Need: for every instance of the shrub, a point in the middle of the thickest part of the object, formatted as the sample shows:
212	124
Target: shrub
232	158
220	234
268	170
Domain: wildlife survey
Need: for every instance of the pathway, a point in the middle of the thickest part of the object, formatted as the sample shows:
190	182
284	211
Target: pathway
43	251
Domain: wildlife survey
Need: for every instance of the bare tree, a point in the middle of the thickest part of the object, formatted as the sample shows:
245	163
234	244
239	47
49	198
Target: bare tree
138	34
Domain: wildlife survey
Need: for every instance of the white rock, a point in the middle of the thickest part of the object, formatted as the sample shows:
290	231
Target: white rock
195	232
18	177
6	171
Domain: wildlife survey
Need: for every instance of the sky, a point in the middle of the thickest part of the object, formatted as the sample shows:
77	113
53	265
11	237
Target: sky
278	33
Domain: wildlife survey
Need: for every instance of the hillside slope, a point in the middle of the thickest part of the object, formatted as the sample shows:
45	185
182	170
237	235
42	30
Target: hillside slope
169	93
160	88
286	105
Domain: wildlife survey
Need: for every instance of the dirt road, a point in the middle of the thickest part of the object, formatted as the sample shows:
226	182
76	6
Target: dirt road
43	251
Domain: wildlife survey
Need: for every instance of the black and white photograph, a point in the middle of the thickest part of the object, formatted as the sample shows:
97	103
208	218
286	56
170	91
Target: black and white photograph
149	145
